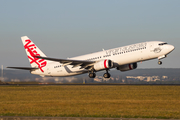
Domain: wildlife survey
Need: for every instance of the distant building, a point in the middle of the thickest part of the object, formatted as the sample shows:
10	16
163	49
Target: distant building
98	79
164	77
144	78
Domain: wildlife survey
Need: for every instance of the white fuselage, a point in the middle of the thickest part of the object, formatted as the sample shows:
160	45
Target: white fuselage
119	56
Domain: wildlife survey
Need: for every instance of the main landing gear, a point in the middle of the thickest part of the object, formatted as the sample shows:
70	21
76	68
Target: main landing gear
106	75
92	74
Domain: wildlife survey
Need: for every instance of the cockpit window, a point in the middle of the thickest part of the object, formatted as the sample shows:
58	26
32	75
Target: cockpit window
163	43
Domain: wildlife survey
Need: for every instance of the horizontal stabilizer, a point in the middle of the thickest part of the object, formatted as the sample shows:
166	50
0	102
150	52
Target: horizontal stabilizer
23	68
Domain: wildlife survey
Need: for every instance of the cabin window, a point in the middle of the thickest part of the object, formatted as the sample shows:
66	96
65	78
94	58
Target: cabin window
163	44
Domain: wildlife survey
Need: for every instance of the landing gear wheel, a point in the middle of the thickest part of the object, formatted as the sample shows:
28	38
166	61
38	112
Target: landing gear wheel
106	75
159	62
92	75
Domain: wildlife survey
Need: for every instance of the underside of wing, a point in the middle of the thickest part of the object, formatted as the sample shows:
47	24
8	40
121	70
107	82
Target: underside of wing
76	63
23	68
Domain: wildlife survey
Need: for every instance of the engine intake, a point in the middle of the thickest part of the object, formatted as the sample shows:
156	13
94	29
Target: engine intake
104	64
127	67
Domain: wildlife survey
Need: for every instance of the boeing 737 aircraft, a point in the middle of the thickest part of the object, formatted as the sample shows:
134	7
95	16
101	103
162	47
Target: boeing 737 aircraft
122	58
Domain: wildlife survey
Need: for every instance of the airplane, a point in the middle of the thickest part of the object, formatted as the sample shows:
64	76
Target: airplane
122	58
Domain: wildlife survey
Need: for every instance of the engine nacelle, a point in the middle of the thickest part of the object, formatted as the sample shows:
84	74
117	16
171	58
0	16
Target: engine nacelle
127	67
104	64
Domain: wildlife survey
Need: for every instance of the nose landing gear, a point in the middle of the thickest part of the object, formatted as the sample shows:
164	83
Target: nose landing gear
161	57
159	62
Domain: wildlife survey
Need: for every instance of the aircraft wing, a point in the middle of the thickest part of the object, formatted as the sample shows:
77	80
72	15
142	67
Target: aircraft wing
24	68
83	63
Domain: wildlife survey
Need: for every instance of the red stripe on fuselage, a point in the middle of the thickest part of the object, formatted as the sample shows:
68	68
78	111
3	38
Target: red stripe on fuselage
105	64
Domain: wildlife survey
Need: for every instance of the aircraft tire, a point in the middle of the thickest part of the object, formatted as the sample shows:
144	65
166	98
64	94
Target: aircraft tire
106	75
92	75
159	62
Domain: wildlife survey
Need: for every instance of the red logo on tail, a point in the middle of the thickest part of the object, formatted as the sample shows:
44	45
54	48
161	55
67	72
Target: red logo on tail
31	48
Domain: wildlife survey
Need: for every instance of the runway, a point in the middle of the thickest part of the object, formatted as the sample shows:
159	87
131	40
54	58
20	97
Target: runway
75	118
90	84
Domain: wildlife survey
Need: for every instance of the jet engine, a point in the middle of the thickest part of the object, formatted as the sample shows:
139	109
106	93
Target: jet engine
103	64
127	67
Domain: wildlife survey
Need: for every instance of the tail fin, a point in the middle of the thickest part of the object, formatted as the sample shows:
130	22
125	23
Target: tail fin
32	50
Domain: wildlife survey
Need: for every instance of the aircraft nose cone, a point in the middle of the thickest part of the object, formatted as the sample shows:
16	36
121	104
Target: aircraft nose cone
171	47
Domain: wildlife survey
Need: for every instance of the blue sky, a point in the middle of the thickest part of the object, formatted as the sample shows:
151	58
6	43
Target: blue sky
68	28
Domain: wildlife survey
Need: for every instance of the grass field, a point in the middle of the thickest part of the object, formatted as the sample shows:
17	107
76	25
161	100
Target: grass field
91	101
